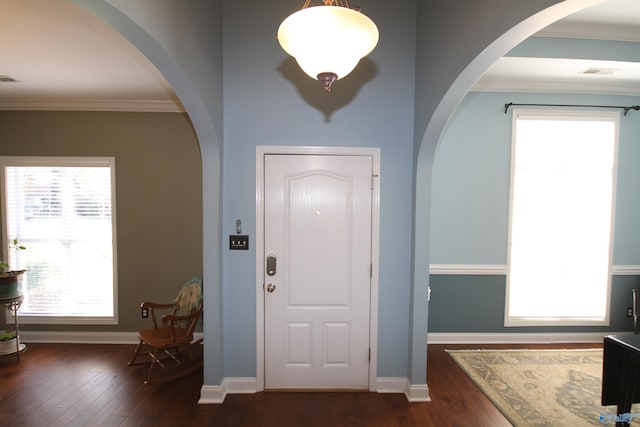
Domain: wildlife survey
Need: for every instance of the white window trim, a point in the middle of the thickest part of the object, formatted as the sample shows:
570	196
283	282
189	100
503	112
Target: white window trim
548	321
66	162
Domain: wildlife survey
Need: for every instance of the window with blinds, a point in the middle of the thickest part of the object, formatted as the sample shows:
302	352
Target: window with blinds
62	211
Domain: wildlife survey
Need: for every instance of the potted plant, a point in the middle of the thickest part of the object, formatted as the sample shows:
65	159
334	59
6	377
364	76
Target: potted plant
9	278
8	342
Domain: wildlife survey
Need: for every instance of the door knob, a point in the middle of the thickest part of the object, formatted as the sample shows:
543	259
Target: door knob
271	287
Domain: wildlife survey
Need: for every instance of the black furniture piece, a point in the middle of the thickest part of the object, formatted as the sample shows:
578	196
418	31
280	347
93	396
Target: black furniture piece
621	374
636	310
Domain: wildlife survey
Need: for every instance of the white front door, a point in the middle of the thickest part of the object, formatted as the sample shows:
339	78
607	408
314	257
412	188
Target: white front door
317	226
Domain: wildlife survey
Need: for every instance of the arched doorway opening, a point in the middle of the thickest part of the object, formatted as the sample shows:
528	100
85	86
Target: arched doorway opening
437	114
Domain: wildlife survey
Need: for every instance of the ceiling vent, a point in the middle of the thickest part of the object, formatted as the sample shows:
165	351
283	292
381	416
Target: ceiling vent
7	79
600	71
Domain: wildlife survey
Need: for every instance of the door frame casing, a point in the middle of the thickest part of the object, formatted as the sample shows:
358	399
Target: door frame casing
374	153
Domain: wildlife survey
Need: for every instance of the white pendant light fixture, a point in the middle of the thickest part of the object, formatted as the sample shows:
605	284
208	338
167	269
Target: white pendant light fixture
328	41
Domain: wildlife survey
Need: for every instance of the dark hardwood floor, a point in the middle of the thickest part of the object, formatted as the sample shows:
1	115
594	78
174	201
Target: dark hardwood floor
91	385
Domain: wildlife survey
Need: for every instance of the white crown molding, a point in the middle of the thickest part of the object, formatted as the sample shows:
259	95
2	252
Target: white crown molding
555	87
92	105
619	88
518	338
591	31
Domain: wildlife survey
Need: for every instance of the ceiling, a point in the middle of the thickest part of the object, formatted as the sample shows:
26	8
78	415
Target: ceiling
63	57
614	20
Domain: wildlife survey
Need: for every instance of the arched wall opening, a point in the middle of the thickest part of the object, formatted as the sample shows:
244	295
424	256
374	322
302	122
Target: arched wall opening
431	121
438	93
191	73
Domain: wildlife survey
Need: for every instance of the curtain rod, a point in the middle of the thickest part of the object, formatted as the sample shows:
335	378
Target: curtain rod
626	109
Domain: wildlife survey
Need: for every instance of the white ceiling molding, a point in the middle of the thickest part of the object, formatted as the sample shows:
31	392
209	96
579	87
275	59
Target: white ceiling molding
612	20
560	75
592	31
84	65
554	87
91	105
609	20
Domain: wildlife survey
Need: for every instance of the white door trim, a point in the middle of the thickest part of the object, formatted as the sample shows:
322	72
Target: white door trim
374	153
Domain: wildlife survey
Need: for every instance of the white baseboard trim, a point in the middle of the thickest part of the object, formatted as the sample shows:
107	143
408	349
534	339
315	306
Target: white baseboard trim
391	385
215	394
211	394
84	337
519	338
417	393
248	385
413	392
79	337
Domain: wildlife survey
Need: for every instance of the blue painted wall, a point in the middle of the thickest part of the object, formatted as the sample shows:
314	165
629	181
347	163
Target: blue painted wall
475	304
471	173
470	208
269	101
236	82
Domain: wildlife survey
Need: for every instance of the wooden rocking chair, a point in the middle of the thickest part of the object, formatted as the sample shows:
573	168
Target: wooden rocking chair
172	339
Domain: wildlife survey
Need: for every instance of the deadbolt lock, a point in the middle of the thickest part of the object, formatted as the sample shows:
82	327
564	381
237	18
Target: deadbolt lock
271	265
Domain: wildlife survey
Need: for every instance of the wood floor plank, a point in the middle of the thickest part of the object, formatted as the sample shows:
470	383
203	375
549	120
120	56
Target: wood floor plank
91	385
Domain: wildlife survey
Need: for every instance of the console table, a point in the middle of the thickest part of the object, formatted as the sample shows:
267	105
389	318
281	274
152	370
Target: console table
621	374
12	304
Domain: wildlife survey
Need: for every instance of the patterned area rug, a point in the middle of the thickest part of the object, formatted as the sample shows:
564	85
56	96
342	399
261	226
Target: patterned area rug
542	387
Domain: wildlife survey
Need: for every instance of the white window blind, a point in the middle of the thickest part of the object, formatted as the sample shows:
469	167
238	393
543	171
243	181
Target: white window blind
62	211
563	178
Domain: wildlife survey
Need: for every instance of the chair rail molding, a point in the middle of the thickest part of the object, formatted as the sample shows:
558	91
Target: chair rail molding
503	269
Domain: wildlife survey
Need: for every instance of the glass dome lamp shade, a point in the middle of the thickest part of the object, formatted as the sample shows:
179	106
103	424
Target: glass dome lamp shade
328	41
